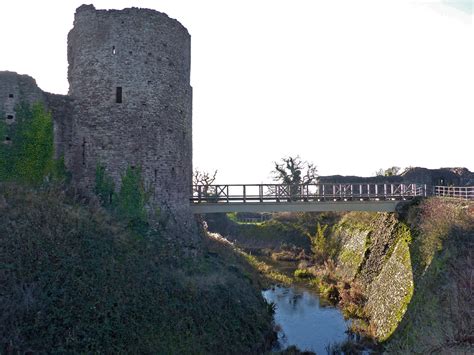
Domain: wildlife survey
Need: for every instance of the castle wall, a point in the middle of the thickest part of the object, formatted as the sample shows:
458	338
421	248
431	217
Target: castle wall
129	104
62	109
129	76
13	89
16	88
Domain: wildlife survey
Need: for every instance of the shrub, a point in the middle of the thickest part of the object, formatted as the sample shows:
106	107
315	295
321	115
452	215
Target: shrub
129	204
303	274
323	247
104	187
131	199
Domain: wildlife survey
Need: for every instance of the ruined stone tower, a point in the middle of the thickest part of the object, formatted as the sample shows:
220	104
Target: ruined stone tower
129	76
129	103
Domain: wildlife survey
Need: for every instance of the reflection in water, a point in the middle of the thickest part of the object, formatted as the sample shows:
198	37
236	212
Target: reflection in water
304	321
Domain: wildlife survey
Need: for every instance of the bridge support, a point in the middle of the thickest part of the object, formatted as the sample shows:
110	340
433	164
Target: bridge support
326	206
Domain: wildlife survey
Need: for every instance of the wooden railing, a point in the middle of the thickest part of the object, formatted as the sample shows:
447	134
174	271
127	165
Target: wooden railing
305	193
464	192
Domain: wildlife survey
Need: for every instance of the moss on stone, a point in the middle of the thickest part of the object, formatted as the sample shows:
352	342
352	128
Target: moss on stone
353	245
412	272
402	232
391	292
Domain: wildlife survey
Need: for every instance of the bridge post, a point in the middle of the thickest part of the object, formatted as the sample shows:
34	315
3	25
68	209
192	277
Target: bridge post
244	193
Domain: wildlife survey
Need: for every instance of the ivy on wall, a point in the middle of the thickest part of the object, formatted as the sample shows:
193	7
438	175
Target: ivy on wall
27	147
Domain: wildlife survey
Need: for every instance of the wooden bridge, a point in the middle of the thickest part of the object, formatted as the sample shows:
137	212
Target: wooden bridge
313	197
305	198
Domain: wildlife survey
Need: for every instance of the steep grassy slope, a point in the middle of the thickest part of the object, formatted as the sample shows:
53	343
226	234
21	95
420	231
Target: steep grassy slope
73	279
439	317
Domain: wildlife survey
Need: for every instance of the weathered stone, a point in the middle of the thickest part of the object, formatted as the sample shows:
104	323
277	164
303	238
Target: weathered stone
353	247
430	177
442	176
15	88
382	238
129	104
391	292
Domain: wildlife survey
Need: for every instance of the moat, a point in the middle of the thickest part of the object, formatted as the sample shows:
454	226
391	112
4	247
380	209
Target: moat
304	320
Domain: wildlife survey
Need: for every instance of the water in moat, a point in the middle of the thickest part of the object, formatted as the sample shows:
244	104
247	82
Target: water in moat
304	320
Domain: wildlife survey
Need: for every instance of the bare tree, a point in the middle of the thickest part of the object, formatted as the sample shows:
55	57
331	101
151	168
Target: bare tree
204	179
294	172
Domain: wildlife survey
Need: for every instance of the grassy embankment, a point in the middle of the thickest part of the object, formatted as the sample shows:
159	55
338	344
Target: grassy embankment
439	317
75	279
406	279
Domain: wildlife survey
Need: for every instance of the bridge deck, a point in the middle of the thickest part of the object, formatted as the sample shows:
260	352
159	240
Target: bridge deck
304	198
314	197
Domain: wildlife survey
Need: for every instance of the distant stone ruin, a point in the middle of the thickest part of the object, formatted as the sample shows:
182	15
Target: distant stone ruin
430	177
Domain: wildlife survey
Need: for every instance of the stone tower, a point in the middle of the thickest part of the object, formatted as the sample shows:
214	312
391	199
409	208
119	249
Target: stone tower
129	79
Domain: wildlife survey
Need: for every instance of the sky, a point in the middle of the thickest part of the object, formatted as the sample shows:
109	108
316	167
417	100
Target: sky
352	86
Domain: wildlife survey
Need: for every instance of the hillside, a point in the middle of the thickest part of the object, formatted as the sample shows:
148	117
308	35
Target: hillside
74	279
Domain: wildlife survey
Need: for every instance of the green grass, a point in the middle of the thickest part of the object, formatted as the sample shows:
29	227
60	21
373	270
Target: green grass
303	274
74	279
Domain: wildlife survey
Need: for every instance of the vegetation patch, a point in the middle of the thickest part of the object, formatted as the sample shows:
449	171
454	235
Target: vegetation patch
75	279
303	274
28	154
438	317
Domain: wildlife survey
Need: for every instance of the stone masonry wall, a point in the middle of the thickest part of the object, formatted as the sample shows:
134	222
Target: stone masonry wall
13	89
62	108
129	76
375	253
129	104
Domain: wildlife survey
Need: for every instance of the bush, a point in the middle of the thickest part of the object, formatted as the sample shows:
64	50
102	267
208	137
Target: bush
129	203
104	187
303	274
323	247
